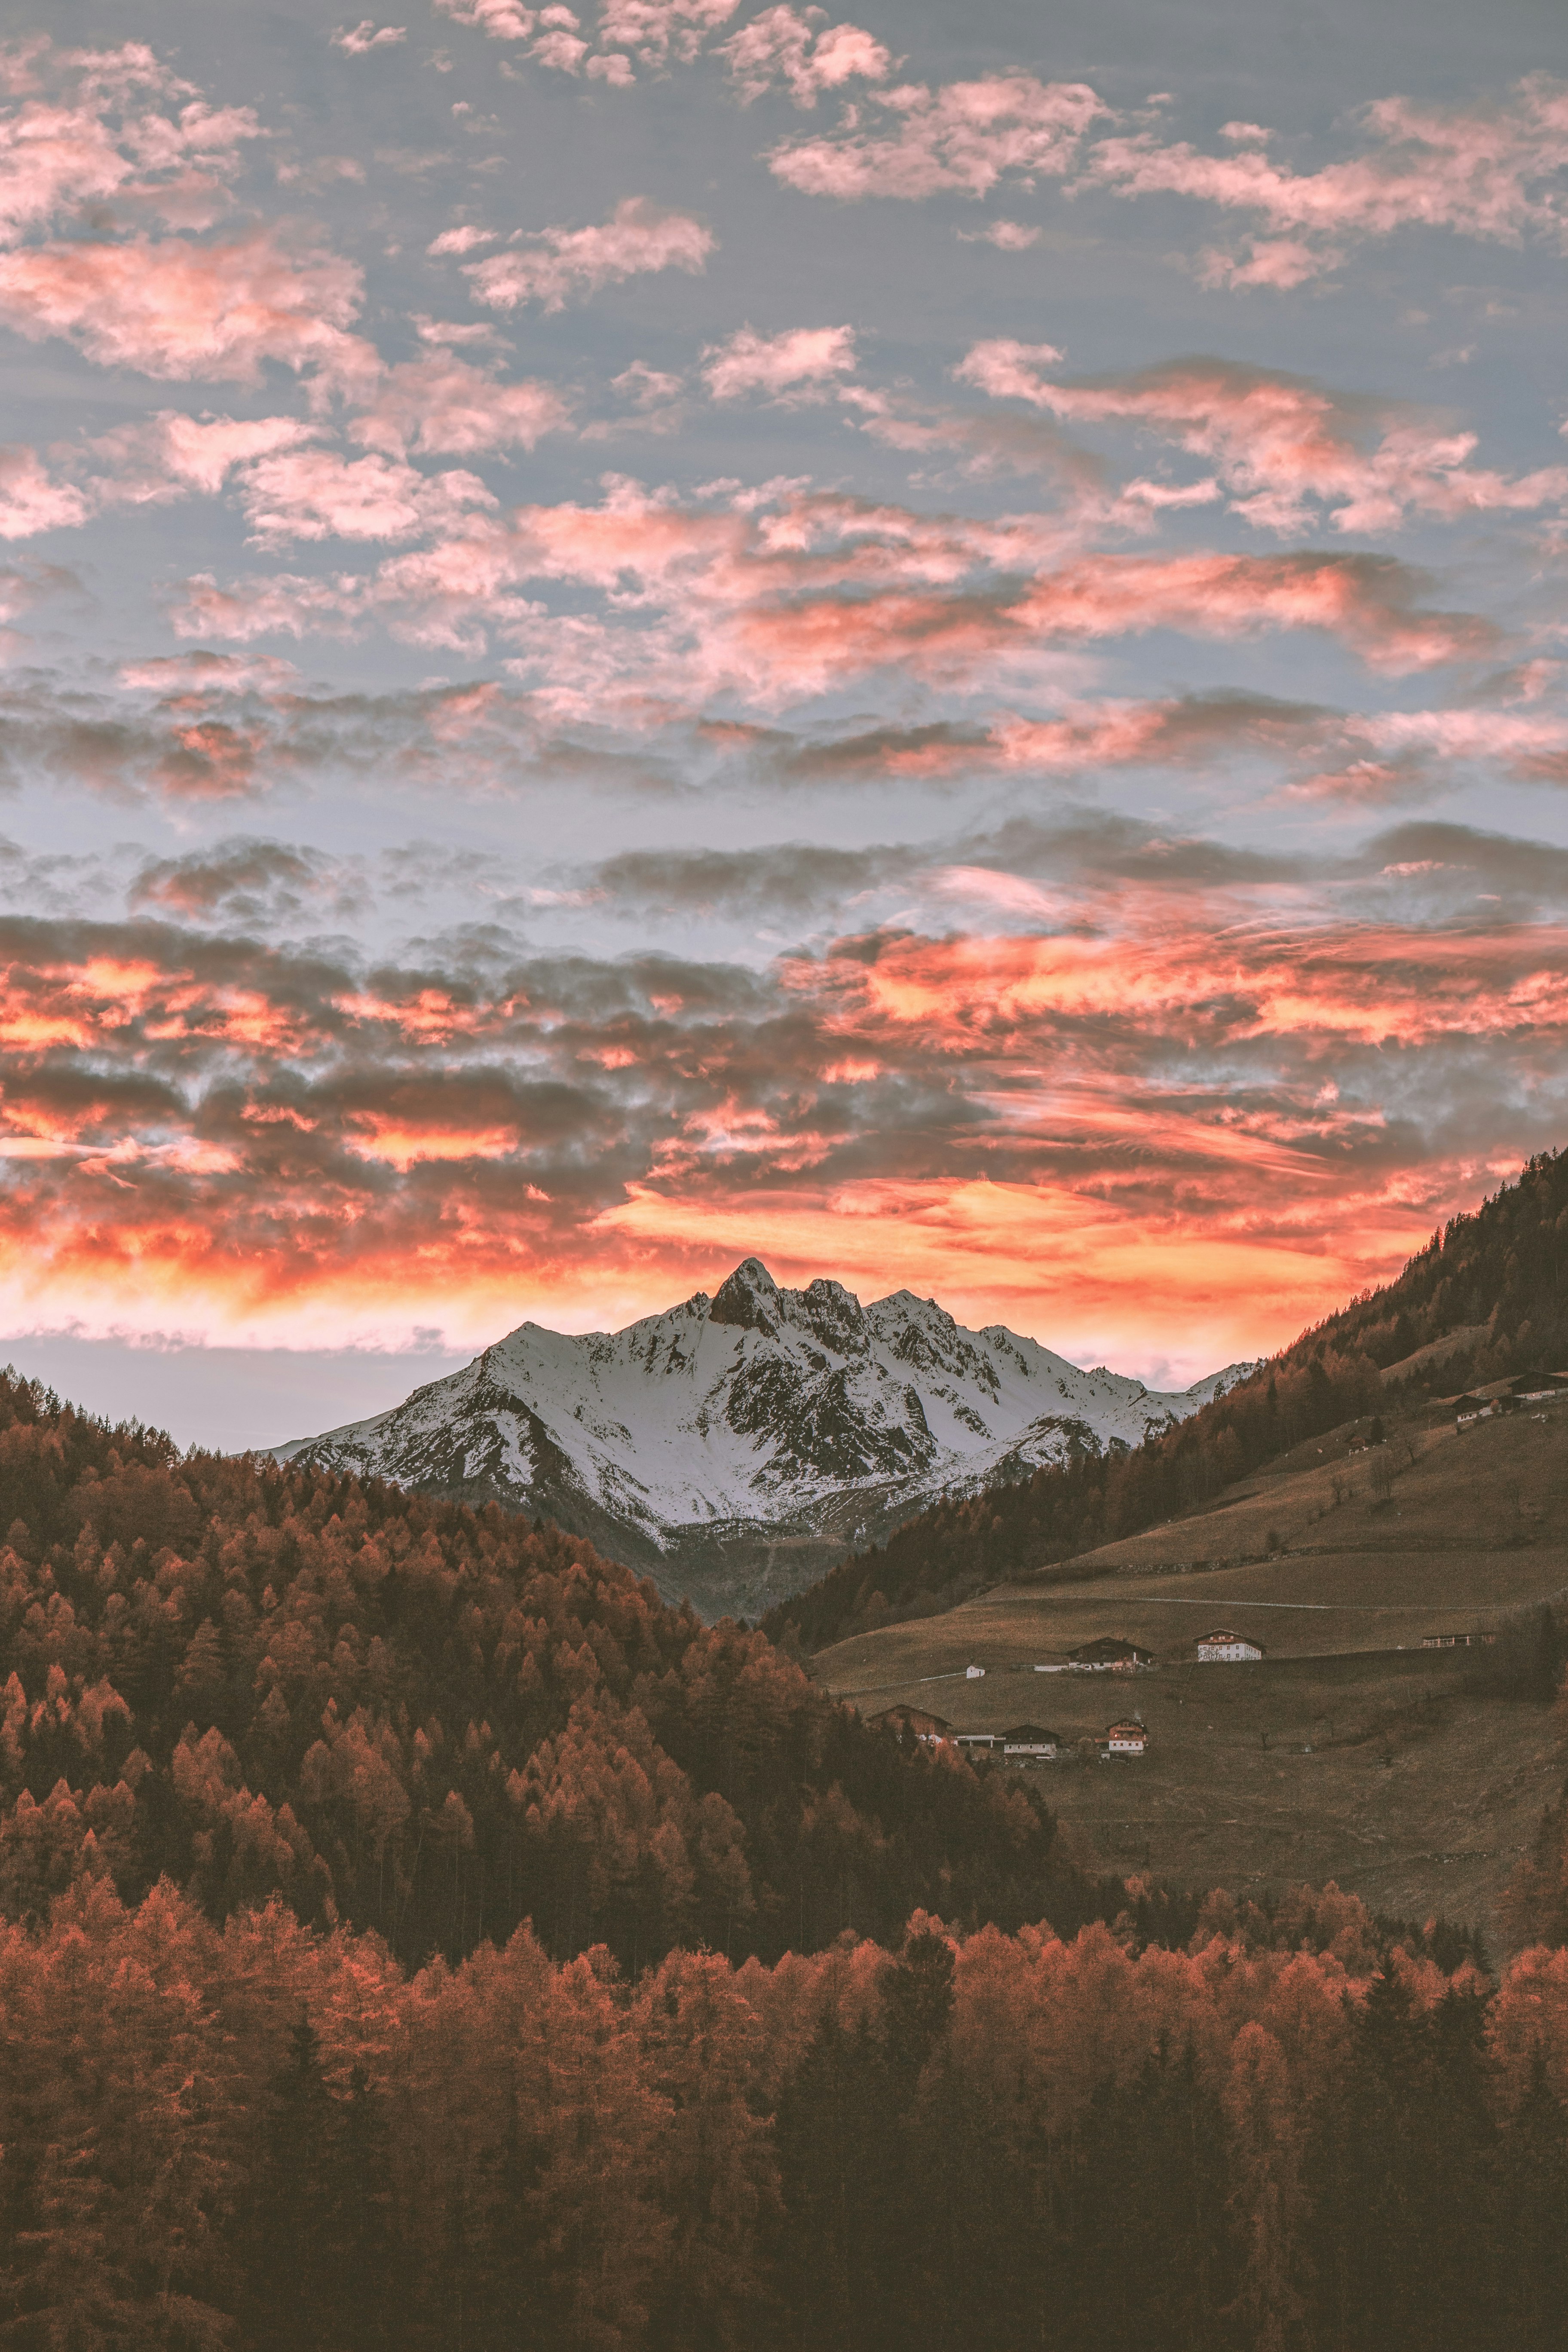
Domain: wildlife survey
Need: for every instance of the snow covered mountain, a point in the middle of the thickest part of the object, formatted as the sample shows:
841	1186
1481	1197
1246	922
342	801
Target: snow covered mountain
734	1448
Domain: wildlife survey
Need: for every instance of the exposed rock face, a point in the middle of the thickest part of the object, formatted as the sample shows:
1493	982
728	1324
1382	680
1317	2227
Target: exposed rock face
734	1447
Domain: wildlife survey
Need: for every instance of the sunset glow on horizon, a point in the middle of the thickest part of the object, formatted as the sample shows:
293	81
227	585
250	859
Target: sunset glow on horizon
640	636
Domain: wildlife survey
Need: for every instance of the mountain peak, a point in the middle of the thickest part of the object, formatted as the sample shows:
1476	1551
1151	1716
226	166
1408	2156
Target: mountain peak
735	1446
744	1298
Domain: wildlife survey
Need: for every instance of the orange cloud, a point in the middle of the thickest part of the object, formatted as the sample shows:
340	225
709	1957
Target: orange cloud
1101	1281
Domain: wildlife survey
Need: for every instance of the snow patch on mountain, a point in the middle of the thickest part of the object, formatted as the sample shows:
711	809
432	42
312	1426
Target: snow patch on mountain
736	1445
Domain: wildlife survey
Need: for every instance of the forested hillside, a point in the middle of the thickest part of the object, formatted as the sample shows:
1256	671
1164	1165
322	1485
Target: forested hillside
1502	1273
436	1724
815	2041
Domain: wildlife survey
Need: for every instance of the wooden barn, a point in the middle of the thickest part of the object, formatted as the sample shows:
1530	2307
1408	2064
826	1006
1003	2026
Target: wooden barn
1110	1654
932	1728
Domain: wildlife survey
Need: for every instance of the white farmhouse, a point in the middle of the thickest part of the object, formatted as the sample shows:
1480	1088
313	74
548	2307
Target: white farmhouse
1126	1738
1224	1648
1031	1743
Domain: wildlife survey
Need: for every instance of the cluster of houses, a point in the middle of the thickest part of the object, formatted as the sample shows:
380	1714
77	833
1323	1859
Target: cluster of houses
1025	1743
1033	1743
1110	1654
1514	1396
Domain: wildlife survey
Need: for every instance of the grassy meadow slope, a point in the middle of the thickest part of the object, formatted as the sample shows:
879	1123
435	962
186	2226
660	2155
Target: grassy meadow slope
1351	1752
1487	1297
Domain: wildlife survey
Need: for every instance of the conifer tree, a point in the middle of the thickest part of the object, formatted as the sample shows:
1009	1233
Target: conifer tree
292	2284
1532	2216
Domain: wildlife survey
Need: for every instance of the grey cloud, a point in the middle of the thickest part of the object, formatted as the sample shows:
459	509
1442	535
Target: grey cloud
247	881
789	878
1460	865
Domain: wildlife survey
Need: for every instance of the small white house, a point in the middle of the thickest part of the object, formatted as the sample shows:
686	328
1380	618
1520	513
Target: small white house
1224	1648
974	1673
1126	1739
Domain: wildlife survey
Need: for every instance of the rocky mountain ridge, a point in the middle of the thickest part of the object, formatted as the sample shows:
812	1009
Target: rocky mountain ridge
735	1446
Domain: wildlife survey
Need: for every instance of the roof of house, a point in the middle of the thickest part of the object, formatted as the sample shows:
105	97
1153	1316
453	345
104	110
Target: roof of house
1109	1645
1223	1633
1035	1733
910	1718
1133	1730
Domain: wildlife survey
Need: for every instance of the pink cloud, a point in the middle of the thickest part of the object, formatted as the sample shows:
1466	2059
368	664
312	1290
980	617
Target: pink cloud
115	124
659	32
560	264
1491	173
503	20
1007	237
461	240
30	500
367	36
560	44
314	494
1177	732
135	464
210	673
1366	601
1278	443
171	454
445	407
1008	370
806	356
286	604
962	138
1278	263
790	597
782	46
653	33
178	309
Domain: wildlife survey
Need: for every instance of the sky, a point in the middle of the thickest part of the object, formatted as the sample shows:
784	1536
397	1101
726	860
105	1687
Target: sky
927	644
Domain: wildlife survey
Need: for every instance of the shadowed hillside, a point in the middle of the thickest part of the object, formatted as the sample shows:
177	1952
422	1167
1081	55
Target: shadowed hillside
410	1716
1488	1296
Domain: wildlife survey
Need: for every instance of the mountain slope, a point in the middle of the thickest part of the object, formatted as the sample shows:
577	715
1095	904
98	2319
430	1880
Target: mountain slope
734	1446
1486	1298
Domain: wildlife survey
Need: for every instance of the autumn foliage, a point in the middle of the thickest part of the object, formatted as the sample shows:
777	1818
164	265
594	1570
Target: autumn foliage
269	2135
397	1714
418	1938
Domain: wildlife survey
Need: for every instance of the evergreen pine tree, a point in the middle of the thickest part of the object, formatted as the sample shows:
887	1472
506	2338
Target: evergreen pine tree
292	2286
1532	2219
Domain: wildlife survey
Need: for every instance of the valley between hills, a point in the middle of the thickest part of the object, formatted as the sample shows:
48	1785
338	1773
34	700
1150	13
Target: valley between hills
1350	1751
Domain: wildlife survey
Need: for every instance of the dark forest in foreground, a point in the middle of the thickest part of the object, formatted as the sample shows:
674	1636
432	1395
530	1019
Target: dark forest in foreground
269	2137
1499	1276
